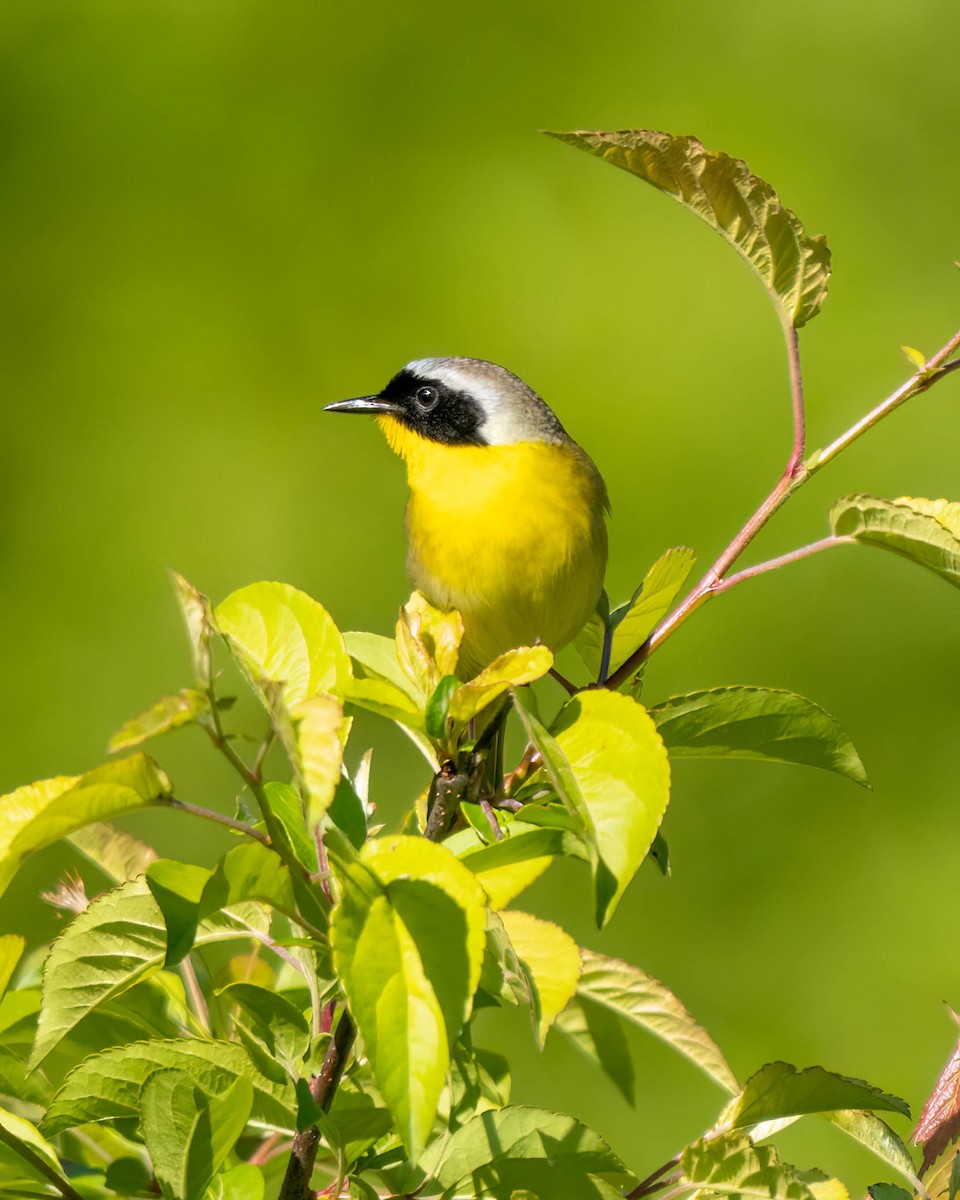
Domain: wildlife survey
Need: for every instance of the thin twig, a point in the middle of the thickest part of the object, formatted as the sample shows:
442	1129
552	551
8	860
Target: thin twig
195	992
795	474
929	374
208	814
570	688
783	560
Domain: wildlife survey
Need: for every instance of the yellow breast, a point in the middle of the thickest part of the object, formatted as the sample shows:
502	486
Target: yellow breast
513	536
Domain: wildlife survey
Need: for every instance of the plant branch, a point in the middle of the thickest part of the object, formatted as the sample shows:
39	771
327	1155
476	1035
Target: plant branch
39	1164
208	814
795	474
782	560
932	371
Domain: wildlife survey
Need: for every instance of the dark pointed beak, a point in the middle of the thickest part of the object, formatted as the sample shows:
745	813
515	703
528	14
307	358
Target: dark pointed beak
363	404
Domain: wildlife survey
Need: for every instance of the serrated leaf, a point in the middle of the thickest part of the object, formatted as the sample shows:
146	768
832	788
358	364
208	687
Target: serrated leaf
732	1165
118	854
108	1086
24	1152
743	208
638	998
510	670
188	1132
198	618
41	813
939	1123
408	939
635	621
248	872
598	1033
12	946
622	778
780	1090
283	637
876	1135
552	958
519	1148
763	724
116	943
925	531
176	888
169	712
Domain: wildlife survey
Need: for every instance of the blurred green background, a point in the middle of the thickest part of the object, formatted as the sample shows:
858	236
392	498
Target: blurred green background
217	216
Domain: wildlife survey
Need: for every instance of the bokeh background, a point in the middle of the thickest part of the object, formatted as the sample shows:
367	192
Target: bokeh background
217	216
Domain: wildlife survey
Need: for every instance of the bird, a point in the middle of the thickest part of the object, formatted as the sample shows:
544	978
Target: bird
506	520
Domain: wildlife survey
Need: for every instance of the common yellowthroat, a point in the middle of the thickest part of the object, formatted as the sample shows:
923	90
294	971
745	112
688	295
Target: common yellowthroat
506	519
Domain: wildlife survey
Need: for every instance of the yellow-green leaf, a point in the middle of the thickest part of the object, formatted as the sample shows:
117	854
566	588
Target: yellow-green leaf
440	631
11	949
41	813
622	776
408	937
512	669
320	737
26	1157
743	208
169	712
634	622
553	959
281	636
925	531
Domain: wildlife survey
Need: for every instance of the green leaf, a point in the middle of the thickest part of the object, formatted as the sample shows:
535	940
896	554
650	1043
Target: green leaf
622	779
438	706
118	941
876	1135
356	1121
170	712
377	657
638	998
428	642
510	670
281	636
12	946
552	958
479	1080
888	1191
598	1033
242	1182
177	887
128	1176
248	872
408	940
198	618
107	1086
320	737
25	1155
506	868
925	531
118	854
348	814
275	1020
287	806
634	622
780	1090
188	1132
41	813
743	208
519	1148
765	724
732	1165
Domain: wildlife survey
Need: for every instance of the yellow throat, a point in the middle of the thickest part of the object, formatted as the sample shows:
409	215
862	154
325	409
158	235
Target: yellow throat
513	536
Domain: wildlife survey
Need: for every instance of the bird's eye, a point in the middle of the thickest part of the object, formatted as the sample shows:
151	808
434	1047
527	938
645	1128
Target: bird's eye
427	399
